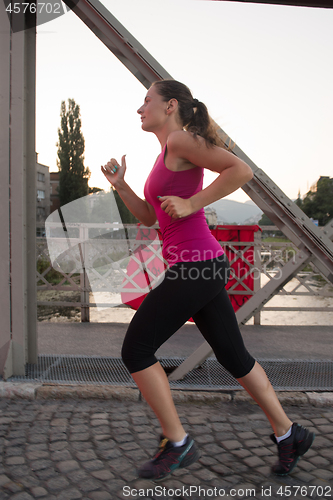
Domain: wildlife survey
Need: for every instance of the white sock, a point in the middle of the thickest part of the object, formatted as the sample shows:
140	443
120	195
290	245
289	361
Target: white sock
180	443
285	436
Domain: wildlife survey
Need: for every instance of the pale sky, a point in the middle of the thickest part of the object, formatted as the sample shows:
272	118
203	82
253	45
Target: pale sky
264	71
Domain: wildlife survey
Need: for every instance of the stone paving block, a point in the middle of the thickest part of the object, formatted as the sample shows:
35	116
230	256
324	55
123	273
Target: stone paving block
37	465
262	451
78	436
93	465
59	422
221	469
325	429
38	492
124	438
204	439
101	416
78	475
138	455
102	429
15	460
44	474
247	435
21	496
206	460
320	421
189	479
305	477
217	418
321	482
119	423
67	466
100	495
199	429
231	445
241	453
98	422
322	474
4	479
318	461
102	474
57	484
254	461
61	455
82	456
70	494
129	446
14	451
221	427
35	455
90	484
320	399
253	443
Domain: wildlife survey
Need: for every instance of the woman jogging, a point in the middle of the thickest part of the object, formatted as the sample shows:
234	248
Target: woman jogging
194	283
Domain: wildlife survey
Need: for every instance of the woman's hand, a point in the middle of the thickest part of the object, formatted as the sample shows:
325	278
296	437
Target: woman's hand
176	207
113	171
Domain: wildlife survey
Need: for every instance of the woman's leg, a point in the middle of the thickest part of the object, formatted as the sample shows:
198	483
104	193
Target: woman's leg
187	287
154	386
260	389
218	324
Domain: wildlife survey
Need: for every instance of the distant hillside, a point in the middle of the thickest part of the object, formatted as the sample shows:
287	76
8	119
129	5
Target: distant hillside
229	211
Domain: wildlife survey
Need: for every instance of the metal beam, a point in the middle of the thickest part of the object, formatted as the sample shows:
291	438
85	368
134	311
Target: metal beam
324	4
18	337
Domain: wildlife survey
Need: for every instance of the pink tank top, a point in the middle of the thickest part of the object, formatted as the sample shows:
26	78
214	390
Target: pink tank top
187	239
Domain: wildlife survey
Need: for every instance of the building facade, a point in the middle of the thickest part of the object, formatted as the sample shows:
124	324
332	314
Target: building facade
43	196
54	191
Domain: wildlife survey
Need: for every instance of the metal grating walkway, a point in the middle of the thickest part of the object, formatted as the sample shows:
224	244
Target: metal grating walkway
283	374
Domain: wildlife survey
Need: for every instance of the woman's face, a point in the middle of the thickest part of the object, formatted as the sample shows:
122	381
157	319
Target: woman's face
153	111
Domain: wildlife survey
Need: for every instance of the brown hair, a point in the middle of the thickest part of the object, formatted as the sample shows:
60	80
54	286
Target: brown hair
192	113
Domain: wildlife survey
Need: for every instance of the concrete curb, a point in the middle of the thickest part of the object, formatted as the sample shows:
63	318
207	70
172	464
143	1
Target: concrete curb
38	391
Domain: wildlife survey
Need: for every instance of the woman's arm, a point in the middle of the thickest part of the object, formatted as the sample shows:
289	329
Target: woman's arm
141	209
233	173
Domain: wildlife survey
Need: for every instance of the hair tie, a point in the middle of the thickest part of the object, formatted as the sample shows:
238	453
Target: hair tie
195	103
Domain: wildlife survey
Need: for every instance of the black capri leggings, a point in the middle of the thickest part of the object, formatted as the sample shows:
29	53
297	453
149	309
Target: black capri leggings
189	289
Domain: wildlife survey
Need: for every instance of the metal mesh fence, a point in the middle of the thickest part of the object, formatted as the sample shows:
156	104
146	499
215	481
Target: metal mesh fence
283	374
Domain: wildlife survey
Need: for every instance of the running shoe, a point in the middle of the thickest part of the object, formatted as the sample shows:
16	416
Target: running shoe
169	458
292	448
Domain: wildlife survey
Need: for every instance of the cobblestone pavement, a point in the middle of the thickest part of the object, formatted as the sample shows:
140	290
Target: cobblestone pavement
75	449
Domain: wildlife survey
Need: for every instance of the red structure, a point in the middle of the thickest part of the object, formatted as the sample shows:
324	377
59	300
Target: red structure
146	264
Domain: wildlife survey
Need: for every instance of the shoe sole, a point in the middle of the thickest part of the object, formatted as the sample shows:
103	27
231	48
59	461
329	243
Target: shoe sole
307	446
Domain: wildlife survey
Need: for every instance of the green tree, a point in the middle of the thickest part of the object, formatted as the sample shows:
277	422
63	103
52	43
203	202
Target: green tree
265	221
319	204
73	175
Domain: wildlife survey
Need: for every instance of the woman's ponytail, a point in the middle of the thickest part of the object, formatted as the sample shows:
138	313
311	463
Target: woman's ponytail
192	112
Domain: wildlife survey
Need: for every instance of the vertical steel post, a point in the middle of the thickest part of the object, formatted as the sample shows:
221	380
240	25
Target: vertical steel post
257	269
84	282
18	338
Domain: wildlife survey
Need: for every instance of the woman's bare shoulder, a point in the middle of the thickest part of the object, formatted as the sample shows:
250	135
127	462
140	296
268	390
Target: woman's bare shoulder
182	140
